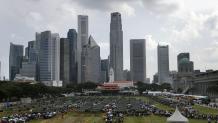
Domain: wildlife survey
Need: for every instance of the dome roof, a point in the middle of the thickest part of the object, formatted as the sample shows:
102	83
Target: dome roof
184	61
177	117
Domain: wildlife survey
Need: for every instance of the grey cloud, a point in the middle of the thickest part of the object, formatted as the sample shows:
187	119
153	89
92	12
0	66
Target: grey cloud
153	6
102	4
161	6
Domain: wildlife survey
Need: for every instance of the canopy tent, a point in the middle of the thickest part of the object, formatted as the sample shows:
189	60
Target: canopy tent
177	117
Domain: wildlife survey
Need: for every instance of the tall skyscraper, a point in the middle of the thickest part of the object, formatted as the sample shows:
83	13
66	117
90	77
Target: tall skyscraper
15	60
104	70
82	40
72	37
32	51
0	71
138	60
28	69
116	46
49	57
163	64
91	69
29	63
65	60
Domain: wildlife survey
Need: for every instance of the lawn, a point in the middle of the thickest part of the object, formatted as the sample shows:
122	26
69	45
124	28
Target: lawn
205	110
93	118
157	104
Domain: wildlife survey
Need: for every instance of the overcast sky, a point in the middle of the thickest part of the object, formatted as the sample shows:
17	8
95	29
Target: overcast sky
186	25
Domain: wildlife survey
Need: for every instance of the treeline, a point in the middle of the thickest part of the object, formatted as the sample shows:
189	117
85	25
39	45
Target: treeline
152	87
10	91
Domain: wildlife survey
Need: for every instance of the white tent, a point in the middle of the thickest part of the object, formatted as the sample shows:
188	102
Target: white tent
177	117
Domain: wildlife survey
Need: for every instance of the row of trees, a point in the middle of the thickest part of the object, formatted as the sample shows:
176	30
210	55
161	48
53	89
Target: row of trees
152	87
14	91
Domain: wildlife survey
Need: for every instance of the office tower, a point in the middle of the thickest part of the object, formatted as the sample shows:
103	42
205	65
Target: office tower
184	63
65	60
15	60
0	71
32	51
163	64
127	75
155	78
26	52
72	37
82	40
104	70
49	58
91	69
138	60
29	62
116	46
28	69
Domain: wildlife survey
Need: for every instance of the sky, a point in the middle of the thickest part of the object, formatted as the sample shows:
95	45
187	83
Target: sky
185	25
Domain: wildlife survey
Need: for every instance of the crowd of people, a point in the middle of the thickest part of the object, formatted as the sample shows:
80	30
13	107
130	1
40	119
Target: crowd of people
186	108
115	108
39	109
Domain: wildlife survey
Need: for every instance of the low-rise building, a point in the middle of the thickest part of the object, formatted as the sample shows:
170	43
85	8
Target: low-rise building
203	83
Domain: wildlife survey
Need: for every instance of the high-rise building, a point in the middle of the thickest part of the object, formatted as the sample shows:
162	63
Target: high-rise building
104	70
32	51
28	69
26	52
163	64
138	60
15	60
116	46
72	37
0	71
184	63
127	75
155	78
91	61
49	58
82	40
65	61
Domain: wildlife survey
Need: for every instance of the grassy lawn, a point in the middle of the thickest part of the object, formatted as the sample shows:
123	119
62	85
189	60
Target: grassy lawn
158	105
92	118
205	110
76	117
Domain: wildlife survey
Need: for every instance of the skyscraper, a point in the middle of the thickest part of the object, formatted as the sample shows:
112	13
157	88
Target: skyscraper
72	37
49	57
65	60
91	61
29	63
0	71
138	60
15	60
82	40
32	51
163	64
116	46
104	70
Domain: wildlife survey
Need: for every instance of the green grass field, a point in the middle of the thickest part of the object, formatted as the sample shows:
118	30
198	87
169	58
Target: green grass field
93	118
205	110
76	117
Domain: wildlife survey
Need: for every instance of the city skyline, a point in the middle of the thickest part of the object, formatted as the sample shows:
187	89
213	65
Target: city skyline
196	20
